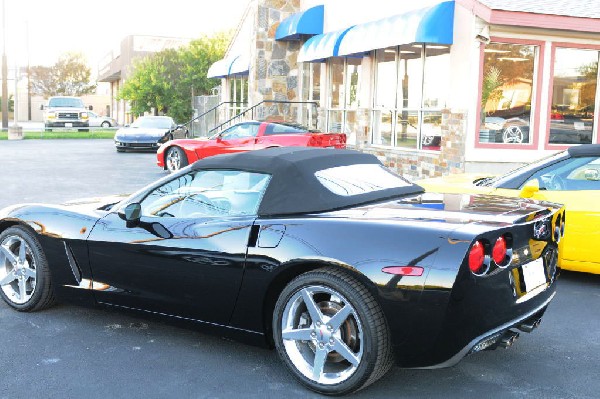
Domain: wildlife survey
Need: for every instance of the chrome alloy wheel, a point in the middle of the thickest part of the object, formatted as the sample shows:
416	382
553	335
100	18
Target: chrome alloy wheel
173	160
18	274
322	335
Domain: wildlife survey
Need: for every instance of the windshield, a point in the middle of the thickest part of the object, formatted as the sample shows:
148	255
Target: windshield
153	122
65	103
527	170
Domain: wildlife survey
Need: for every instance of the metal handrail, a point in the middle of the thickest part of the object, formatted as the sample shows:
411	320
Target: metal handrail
252	108
207	112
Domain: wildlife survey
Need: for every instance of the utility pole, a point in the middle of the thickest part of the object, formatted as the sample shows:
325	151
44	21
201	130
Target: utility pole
4	72
28	73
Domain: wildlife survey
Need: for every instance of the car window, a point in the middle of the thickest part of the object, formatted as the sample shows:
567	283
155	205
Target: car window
276	128
240	131
359	179
581	173
207	193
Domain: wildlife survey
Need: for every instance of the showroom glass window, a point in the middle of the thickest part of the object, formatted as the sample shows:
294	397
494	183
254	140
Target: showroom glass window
311	92
345	89
238	94
411	88
574	88
506	93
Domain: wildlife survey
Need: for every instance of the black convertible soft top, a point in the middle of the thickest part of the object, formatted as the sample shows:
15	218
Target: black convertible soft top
294	188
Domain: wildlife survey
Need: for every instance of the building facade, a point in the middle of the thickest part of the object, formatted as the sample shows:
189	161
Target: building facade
431	87
118	64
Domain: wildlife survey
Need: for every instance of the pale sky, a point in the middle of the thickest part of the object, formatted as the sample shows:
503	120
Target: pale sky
94	28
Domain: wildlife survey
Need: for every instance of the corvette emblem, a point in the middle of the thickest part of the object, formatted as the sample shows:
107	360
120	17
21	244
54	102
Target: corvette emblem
541	230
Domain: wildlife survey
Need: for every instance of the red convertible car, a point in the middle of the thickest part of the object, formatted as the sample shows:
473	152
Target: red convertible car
246	136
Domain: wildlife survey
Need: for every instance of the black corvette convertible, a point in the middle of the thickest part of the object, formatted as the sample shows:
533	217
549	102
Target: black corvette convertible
343	266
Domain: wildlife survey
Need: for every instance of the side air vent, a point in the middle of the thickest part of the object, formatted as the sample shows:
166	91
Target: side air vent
72	263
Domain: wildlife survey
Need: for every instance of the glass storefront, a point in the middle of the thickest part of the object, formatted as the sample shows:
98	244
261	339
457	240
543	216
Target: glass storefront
411	88
345	79
506	93
573	96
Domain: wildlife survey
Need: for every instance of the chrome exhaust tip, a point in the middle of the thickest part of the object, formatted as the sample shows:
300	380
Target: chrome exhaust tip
507	339
529	326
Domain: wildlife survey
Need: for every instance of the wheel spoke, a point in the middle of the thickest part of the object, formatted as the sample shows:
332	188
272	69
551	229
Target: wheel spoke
313	310
29	272
319	363
22	289
22	251
9	255
301	334
8	278
336	321
340	347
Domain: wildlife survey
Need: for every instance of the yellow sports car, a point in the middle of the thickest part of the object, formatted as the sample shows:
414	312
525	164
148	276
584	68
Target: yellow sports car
571	177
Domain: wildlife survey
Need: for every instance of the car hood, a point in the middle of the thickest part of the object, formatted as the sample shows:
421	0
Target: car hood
64	109
456	183
93	203
139	132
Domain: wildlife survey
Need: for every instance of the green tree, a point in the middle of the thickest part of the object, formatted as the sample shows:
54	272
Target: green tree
11	103
165	81
69	76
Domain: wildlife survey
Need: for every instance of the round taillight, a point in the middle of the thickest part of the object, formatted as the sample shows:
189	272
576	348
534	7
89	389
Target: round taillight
499	251
476	257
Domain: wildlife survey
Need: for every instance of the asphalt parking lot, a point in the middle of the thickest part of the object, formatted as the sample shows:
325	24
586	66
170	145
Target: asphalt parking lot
69	351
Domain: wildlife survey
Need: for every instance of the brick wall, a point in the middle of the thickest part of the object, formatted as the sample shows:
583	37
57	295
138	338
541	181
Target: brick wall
423	164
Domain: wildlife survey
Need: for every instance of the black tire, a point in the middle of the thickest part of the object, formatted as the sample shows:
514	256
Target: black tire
42	293
175	159
105	124
364	331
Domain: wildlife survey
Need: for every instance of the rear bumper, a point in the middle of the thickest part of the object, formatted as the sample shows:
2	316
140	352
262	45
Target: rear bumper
489	339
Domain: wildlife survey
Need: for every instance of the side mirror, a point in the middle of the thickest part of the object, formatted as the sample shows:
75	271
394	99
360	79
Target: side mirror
42	107
132	214
529	189
591	174
91	107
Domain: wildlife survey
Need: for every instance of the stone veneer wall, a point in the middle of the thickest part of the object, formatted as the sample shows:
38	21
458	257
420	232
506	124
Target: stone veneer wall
420	164
274	70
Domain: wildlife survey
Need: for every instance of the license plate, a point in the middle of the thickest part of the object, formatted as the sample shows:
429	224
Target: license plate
68	124
534	274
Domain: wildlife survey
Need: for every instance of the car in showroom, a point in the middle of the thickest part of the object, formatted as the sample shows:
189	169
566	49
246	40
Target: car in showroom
515	130
325	254
570	177
97	120
148	133
244	136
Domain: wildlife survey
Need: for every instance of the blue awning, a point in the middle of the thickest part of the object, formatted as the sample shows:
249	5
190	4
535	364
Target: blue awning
236	65
434	25
309	22
319	47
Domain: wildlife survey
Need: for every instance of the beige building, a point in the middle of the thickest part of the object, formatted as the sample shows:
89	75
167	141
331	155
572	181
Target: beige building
118	64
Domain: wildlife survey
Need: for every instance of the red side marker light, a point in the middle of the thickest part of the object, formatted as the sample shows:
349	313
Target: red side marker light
404	270
476	257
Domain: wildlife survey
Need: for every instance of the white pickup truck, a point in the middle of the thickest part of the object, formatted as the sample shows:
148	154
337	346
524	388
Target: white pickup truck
66	112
